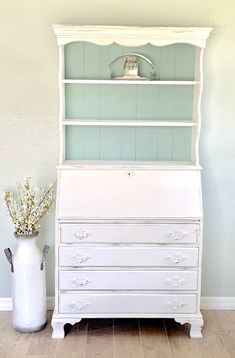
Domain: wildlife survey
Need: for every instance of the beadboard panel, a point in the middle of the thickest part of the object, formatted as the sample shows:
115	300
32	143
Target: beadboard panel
104	101
87	60
127	143
136	102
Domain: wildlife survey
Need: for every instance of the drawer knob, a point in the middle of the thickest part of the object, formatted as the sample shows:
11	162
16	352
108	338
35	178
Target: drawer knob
177	235
176	305
81	234
129	175
80	258
79	305
79	283
175	281
176	258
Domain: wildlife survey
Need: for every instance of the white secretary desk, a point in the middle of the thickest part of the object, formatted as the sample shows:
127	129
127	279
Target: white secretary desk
129	204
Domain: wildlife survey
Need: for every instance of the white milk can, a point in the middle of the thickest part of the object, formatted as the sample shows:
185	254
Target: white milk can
28	284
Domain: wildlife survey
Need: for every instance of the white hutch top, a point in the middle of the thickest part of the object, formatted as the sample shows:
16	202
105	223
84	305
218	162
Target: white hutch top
129	175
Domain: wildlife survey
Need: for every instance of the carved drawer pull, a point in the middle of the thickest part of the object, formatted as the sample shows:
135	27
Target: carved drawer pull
175	281
176	258
79	283
176	235
79	305
80	258
176	305
81	234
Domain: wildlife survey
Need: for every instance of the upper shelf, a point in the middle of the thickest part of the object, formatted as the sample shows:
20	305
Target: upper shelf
131	82
131	35
120	164
129	123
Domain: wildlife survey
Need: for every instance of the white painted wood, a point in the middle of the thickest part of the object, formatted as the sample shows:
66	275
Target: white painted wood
120	224
131	82
132	36
138	123
56	250
61	105
58	323
128	280
135	221
128	233
127	303
134	165
197	105
97	256
136	193
58	328
196	325
200	247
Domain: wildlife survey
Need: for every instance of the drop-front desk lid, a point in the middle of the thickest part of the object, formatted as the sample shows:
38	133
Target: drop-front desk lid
129	193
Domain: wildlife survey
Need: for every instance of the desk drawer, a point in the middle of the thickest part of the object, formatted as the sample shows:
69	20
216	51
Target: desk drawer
129	233
134	303
127	256
128	280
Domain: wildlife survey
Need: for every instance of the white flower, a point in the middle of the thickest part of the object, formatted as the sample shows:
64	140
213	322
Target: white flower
28	205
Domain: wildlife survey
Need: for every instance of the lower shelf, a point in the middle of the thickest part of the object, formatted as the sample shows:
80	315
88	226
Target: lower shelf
127	303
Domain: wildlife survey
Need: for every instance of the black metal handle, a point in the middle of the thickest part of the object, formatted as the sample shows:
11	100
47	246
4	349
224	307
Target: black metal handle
9	255
44	254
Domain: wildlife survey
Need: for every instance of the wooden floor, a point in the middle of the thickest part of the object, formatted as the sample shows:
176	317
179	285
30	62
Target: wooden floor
123	338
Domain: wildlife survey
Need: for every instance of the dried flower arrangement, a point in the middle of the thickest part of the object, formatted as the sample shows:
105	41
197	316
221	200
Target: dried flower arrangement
28	205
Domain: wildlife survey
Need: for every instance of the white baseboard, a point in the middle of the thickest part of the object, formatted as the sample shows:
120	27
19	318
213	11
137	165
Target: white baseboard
6	303
50	302
217	303
207	303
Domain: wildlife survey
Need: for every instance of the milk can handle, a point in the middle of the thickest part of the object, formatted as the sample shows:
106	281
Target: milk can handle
8	254
44	254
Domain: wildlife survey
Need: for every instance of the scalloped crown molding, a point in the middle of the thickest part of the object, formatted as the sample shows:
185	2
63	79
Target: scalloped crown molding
132	36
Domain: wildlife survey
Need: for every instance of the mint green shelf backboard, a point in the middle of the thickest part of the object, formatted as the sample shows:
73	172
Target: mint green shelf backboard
90	61
142	102
128	102
127	143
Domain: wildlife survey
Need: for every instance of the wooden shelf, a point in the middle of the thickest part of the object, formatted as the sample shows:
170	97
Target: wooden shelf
142	123
119	164
131	82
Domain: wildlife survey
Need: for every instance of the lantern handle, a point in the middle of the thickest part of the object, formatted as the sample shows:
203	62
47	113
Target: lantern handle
153	72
